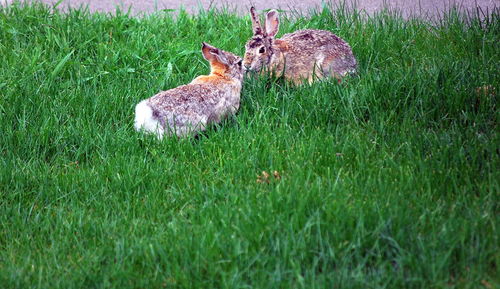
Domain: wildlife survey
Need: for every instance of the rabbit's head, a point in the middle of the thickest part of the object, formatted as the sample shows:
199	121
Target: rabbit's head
259	49
223	62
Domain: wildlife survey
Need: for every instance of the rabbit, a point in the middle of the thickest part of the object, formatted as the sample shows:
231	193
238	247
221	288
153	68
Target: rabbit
302	55
188	109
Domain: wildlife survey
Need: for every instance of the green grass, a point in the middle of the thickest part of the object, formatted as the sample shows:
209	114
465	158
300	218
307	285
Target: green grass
388	180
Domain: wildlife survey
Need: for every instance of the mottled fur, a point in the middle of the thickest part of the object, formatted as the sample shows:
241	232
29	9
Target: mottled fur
188	109
302	55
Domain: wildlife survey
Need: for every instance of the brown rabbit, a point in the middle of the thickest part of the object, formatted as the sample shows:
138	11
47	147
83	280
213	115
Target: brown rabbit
301	55
188	109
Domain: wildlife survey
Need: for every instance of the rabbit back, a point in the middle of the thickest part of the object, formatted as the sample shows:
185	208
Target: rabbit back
316	50
188	108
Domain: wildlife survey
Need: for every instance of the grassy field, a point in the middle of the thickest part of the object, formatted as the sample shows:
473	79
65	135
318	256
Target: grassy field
387	180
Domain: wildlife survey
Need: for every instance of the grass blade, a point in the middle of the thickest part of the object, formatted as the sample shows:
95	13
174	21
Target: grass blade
61	64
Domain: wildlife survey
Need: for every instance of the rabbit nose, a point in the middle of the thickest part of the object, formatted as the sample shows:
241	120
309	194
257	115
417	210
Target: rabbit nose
247	66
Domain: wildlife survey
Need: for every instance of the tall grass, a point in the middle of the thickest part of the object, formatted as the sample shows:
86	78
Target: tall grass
386	180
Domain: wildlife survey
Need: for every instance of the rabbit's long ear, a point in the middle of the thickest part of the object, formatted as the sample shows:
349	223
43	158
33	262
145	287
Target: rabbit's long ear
213	54
272	23
257	29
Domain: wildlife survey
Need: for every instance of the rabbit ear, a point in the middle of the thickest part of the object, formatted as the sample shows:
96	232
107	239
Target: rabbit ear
257	29
272	23
213	54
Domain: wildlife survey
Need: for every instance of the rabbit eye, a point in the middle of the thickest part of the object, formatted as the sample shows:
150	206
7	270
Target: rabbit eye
262	50
239	62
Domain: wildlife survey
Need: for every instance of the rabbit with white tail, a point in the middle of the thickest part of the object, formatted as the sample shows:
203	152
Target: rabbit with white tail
301	55
189	109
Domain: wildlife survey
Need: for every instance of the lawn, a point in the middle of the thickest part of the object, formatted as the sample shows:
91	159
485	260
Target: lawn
389	179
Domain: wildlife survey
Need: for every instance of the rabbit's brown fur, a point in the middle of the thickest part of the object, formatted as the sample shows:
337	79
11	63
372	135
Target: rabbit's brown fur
301	55
189	108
